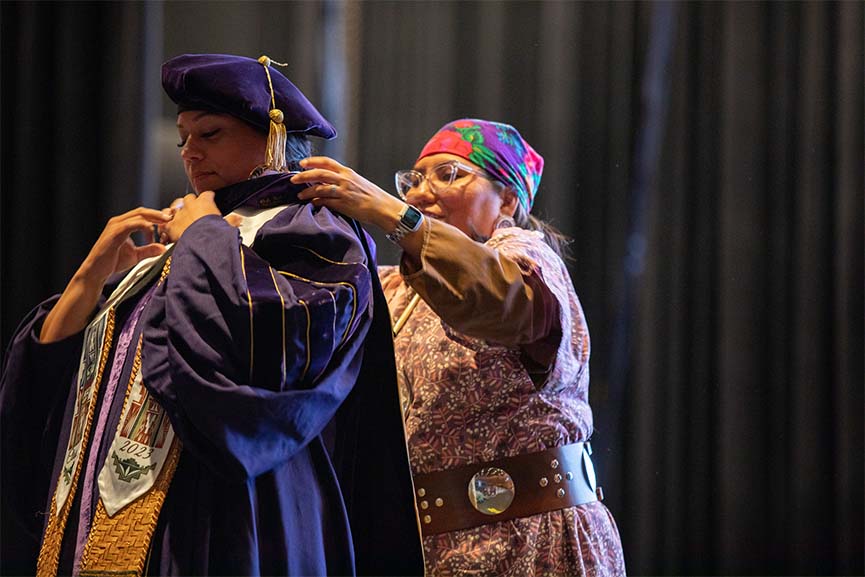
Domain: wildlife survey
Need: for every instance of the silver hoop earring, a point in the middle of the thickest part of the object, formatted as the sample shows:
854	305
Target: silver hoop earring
504	222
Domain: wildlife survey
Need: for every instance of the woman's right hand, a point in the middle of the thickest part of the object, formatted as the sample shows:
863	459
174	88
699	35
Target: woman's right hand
340	188
113	252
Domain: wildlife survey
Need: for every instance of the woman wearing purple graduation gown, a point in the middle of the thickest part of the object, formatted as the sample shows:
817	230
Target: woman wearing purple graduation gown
190	440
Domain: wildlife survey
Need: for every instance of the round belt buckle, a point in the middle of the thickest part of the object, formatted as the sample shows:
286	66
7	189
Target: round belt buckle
491	491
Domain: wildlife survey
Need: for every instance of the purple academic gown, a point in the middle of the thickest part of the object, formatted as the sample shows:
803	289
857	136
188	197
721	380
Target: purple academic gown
255	491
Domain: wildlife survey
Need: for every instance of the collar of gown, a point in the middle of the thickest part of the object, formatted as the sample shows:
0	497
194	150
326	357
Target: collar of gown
269	190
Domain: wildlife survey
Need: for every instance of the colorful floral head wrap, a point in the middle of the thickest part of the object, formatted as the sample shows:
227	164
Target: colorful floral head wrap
497	148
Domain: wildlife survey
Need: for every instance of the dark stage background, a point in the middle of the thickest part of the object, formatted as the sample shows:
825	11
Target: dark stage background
706	158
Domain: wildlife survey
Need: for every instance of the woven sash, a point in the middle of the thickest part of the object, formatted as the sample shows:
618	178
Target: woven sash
144	455
98	340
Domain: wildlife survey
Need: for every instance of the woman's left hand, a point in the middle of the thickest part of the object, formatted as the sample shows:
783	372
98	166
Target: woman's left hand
187	210
341	189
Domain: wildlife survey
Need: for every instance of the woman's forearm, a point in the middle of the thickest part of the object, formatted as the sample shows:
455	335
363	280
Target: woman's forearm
73	310
477	289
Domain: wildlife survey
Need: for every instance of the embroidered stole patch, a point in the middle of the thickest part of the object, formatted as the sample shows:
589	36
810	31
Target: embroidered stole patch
94	356
133	483
140	447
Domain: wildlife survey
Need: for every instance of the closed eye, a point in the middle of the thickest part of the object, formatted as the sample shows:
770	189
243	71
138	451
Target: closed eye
206	135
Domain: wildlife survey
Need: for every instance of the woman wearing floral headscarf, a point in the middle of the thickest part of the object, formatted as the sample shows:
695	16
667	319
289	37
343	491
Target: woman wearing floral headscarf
492	350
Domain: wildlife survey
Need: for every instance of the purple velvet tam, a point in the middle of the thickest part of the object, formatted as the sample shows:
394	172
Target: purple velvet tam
238	86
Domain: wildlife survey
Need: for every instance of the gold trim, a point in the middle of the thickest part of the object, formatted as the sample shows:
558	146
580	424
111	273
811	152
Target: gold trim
325	284
325	259
166	268
308	352
282	311
136	366
49	552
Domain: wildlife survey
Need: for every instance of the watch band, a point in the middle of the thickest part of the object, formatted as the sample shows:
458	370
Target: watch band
410	220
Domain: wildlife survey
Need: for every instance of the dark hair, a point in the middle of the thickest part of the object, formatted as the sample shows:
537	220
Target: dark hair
557	240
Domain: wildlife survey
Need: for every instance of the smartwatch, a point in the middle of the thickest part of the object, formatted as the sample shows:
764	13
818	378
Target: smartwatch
410	220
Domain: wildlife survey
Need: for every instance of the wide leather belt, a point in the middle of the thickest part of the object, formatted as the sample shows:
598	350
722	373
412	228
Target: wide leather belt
507	488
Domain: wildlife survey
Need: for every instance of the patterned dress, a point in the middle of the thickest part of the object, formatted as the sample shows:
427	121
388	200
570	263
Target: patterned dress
470	398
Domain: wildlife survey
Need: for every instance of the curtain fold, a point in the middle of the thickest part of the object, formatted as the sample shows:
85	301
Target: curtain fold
74	146
748	371
729	425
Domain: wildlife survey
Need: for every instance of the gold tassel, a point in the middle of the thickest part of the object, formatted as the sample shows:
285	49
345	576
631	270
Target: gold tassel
276	142
276	135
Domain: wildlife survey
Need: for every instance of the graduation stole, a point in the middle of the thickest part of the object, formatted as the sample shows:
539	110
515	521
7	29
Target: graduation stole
144	453
123	525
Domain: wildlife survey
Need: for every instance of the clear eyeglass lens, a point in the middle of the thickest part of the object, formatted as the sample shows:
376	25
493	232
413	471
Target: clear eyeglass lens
441	177
406	180
444	175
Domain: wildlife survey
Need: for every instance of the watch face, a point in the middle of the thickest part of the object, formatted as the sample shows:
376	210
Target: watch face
412	217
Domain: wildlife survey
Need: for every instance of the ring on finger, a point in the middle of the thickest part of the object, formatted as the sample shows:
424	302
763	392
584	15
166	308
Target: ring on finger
332	188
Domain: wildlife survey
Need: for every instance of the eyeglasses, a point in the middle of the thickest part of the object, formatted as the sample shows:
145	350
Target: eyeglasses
440	177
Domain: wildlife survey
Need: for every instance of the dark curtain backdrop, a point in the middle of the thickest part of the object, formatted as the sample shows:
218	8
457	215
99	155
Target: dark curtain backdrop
706	158
77	94
743	430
